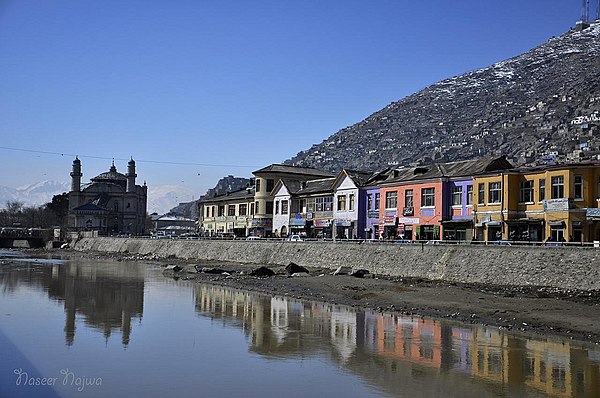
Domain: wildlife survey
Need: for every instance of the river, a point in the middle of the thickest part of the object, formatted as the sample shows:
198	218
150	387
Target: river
95	328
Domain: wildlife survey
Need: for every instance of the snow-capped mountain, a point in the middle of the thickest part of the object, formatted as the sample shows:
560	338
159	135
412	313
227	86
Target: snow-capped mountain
35	194
162	198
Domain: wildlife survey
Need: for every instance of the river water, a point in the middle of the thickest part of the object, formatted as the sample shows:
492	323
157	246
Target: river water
87	328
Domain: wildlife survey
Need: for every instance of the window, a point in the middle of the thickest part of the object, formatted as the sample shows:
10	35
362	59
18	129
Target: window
427	197
270	184
231	210
207	211
277	207
221	211
269	209
469	195
481	193
558	187
495	192
377	200
323	203
408	198
351	202
391	200
251	209
598	189
526	192
341	202
257	188
456	196
328	203
284	207
578	187
243	209
116	206
542	190
310	205
256	208
369	201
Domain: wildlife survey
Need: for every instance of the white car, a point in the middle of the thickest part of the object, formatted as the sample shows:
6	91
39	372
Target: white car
294	238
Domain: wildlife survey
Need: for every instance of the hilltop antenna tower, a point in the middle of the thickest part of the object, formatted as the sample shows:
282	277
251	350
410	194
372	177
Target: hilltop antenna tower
585	11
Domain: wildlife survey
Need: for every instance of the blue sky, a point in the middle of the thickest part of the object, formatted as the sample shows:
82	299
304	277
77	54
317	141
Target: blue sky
225	86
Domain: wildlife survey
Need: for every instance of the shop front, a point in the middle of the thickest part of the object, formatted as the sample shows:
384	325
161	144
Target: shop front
592	216
526	229
494	230
344	229
407	227
261	227
321	228
297	225
390	227
458	230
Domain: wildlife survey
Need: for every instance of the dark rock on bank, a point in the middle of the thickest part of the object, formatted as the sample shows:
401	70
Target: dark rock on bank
262	271
293	268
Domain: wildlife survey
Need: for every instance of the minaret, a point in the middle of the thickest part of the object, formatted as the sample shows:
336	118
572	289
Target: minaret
131	176
76	175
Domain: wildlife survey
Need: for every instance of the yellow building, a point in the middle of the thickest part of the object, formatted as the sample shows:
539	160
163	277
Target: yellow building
555	203
230	214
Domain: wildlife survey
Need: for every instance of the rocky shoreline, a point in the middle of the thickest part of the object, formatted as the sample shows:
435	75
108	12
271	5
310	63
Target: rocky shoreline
540	311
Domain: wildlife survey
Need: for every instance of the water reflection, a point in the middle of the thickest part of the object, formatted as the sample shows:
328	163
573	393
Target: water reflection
107	296
387	349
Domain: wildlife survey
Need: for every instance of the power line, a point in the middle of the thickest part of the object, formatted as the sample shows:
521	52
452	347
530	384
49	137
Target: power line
138	160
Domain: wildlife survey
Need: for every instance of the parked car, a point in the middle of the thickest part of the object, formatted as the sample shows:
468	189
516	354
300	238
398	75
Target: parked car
226	235
253	237
294	238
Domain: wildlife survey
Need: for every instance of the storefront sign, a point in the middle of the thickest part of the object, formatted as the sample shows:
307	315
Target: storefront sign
563	204
322	223
408	211
408	220
262	222
323	214
240	223
389	220
593	214
297	222
373	214
343	223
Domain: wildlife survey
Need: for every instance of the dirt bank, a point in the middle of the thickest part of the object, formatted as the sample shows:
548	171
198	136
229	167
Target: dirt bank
531	310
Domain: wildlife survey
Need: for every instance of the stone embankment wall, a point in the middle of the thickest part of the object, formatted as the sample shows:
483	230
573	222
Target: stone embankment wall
564	267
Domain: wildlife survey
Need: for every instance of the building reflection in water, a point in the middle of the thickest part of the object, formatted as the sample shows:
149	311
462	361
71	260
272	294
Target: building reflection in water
387	349
107	297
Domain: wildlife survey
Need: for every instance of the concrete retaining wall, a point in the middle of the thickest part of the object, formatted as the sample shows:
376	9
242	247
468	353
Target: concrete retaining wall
564	267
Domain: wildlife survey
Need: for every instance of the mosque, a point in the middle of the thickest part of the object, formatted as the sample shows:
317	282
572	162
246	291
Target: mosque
110	204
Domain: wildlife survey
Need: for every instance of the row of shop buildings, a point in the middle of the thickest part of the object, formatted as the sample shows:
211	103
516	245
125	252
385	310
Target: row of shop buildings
485	199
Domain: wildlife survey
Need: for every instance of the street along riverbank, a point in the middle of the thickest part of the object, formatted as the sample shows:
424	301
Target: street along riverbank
532	306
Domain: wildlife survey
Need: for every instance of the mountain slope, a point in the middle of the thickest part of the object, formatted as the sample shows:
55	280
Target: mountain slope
534	107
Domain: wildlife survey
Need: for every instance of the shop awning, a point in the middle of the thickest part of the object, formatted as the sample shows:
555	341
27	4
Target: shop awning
525	221
463	222
557	224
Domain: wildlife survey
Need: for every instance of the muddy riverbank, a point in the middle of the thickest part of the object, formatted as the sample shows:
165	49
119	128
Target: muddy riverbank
537	310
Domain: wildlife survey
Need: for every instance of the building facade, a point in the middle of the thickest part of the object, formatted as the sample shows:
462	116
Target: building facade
265	180
111	204
230	213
